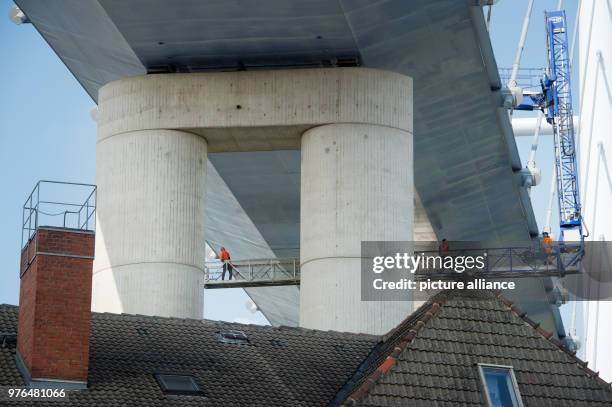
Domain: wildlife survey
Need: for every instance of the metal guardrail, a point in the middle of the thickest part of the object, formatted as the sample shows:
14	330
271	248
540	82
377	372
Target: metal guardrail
527	78
515	262
58	204
500	262
253	273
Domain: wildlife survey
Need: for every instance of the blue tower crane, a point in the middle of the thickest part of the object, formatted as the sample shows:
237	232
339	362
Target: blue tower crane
555	101
560	114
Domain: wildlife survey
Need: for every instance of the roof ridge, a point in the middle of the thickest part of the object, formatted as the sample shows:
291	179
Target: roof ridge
431	309
550	337
362	371
236	325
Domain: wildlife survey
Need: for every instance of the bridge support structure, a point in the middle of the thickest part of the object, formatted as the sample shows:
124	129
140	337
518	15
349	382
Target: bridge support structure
154	134
353	189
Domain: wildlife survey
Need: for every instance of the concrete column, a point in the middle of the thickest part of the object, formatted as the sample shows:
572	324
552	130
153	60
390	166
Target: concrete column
356	185
150	223
150	236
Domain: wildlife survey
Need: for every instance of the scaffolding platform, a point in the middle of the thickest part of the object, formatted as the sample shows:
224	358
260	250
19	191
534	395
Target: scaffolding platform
500	262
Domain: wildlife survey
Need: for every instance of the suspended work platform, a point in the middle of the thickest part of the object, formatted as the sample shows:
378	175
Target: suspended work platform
500	262
515	262
253	273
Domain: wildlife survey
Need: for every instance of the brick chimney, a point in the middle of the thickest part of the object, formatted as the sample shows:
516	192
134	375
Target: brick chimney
55	306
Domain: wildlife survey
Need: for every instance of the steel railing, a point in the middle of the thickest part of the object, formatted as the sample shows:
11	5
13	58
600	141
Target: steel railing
500	262
251	273
514	262
527	79
58	204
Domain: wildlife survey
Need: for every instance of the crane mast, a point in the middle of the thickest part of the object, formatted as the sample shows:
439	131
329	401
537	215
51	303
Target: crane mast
560	115
554	99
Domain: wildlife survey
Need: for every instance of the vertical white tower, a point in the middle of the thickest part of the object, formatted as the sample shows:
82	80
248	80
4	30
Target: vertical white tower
356	186
150	223
354	126
595	158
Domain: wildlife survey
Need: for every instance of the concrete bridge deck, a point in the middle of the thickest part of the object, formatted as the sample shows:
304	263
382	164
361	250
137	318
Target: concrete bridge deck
466	161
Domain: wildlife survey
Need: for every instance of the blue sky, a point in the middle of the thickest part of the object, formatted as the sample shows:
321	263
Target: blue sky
46	132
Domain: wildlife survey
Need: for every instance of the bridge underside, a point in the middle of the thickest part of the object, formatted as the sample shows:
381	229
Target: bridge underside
466	160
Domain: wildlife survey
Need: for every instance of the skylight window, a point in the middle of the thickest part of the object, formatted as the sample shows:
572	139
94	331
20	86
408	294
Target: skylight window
178	384
278	342
499	383
142	331
232	336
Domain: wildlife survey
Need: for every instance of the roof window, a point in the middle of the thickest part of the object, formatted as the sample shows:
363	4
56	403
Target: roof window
142	331
500	387
177	384
231	336
7	339
278	342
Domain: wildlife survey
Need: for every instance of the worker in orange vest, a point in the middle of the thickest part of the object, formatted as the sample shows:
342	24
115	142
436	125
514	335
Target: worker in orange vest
224	256
547	247
443	248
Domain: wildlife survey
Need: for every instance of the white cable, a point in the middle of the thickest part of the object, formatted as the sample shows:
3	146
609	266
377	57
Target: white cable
549	213
573	323
534	143
521	45
574	35
586	65
551	199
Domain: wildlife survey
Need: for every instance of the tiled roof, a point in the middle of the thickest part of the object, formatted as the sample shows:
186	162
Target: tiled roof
428	360
278	367
431	359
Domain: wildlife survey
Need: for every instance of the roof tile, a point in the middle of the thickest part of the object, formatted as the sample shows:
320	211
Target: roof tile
439	364
126	351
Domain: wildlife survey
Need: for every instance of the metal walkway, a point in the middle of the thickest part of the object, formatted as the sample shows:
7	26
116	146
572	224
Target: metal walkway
515	262
500	262
253	273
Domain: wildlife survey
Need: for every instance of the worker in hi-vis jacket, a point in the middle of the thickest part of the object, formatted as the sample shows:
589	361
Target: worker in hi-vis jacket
547	247
224	256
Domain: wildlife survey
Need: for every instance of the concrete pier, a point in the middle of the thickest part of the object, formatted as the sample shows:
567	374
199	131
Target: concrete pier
154	133
150	223
356	186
